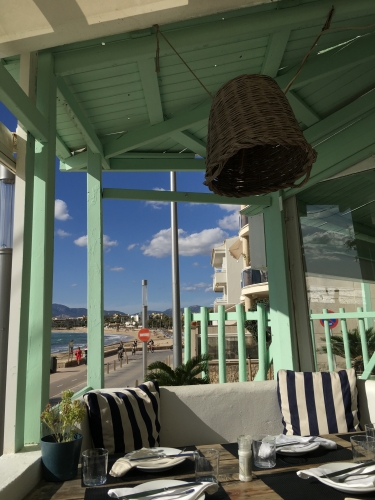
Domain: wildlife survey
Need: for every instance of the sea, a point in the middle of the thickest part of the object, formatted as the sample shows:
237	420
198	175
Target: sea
60	340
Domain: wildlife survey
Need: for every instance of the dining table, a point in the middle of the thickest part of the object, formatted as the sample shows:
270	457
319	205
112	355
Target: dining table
280	482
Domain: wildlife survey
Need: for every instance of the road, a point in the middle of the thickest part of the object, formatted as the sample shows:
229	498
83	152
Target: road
126	376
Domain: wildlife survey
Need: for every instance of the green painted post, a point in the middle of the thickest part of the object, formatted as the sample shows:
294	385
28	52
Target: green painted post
187	336
327	331
345	338
95	302
285	355
262	343
241	343
204	332
367	304
312	330
41	272
362	333
221	345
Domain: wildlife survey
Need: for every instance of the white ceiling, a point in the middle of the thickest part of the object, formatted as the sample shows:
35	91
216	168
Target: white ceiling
30	25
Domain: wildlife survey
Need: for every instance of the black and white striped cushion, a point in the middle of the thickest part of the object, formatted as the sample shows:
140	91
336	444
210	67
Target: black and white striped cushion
125	421
315	403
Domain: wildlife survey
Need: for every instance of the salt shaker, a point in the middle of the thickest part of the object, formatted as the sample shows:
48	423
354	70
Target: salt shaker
245	457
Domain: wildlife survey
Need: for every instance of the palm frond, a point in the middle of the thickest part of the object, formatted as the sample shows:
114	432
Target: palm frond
184	374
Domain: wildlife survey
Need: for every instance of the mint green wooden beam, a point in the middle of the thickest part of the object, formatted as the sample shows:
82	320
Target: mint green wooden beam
368	368
362	334
345	338
275	51
331	63
41	274
279	293
80	120
343	315
62	150
305	114
242	367
18	103
83	391
367	303
327	333
137	138
157	156
313	343
221	344
150	85
190	141
187	334
204	332
213	29
95	301
187	197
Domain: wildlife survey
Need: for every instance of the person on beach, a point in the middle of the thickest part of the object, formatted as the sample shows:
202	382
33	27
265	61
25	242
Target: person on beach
78	355
70	351
151	345
134	347
120	351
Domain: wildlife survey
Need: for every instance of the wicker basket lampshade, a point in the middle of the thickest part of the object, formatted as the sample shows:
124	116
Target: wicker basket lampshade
254	143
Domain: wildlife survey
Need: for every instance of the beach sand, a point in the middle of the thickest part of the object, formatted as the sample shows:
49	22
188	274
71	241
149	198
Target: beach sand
160	341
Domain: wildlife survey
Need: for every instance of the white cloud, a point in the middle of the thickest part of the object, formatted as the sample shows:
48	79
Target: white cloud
73	284
189	244
62	233
195	286
230	222
231	208
157	204
117	269
81	241
107	242
195	264
61	210
130	247
209	289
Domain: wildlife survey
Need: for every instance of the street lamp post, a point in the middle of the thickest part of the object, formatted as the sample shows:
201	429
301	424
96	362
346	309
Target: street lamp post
144	325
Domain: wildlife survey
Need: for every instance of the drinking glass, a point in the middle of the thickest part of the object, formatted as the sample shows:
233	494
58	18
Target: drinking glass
264	451
207	465
363	448
370	430
94	465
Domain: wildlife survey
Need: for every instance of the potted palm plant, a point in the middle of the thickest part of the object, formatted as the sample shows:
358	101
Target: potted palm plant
61	449
189	373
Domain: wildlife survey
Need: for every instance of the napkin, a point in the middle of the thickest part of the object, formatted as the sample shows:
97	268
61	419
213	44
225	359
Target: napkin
325	443
356	481
123	465
210	488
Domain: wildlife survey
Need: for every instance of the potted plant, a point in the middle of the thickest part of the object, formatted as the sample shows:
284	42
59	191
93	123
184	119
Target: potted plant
61	449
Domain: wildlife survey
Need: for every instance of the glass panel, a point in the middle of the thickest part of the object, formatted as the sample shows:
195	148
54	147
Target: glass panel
6	213
338	234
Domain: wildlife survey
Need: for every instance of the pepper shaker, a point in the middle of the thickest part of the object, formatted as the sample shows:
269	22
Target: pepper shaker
245	457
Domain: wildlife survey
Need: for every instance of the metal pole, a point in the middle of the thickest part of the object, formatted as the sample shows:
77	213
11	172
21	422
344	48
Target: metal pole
6	242
144	325
176	307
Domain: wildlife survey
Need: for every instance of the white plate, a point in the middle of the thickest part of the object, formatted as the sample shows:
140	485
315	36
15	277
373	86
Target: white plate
162	483
344	487
297	449
159	467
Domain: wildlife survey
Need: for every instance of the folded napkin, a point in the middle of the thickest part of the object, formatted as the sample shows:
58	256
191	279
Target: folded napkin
281	439
123	465
210	488
356	481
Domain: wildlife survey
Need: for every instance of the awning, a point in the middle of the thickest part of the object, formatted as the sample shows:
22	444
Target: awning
236	249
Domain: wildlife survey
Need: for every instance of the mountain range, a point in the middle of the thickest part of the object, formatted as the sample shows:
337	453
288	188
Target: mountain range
61	311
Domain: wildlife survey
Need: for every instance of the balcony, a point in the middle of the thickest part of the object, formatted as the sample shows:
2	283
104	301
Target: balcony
220	279
254	282
244	226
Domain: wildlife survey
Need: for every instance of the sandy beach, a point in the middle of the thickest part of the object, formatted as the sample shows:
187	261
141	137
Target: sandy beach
160	341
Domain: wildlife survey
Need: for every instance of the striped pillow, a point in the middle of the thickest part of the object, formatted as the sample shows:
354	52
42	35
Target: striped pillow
315	403
124	421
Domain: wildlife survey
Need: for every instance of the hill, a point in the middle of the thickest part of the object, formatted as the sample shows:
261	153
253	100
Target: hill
61	311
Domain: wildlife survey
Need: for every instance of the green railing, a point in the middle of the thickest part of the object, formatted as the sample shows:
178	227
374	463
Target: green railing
360	316
240	316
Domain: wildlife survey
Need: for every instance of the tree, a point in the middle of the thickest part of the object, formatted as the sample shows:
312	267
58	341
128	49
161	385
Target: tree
185	374
355	346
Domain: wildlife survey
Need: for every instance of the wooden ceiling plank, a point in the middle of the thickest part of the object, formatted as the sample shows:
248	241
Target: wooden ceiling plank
302	111
62	150
80	120
275	52
150	84
190	141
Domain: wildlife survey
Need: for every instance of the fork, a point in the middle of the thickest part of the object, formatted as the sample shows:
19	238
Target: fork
344	477
292	443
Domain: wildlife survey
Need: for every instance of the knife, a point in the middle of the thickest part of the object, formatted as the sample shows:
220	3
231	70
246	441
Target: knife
142	494
148	457
349	469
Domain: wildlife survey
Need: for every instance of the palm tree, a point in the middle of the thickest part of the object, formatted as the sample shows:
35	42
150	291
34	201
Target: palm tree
185	374
355	346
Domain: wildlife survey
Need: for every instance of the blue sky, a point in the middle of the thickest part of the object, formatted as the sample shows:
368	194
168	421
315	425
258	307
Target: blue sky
137	240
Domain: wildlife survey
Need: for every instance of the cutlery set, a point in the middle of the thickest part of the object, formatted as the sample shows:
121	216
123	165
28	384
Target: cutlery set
160	491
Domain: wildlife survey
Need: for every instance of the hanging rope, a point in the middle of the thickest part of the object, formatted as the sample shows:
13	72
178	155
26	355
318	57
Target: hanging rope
156	26
326	27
